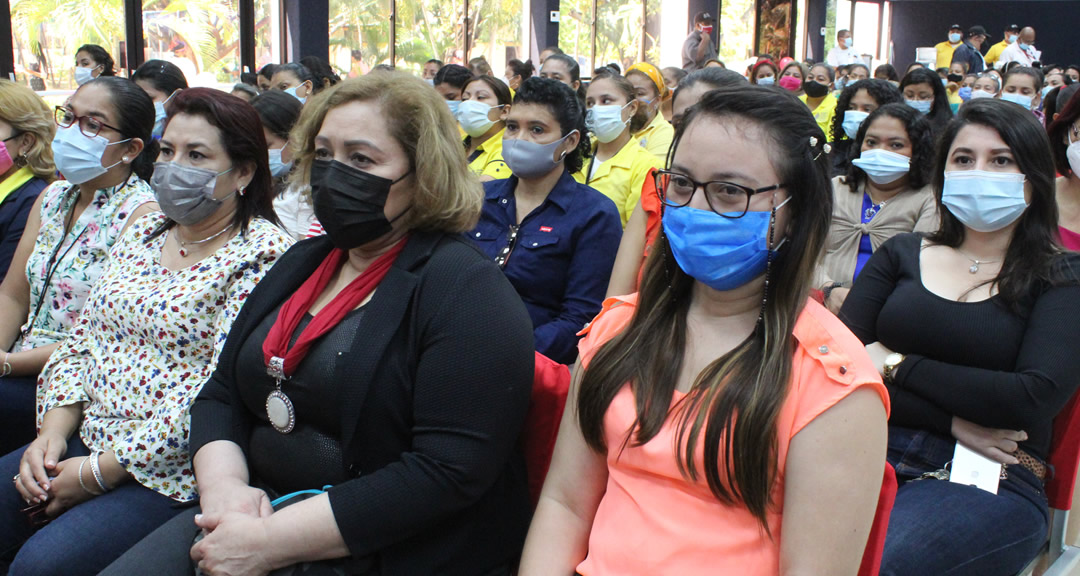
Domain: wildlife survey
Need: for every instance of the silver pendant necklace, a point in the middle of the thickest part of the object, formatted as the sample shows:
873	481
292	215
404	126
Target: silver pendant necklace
279	408
874	207
183	244
974	269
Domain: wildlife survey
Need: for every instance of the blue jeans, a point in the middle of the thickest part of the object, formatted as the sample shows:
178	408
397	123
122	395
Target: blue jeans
17	401
82	540
938	527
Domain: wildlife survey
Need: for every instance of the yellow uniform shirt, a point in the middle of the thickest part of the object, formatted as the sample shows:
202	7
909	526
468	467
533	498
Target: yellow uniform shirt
944	53
487	160
994	53
621	176
824	113
657	137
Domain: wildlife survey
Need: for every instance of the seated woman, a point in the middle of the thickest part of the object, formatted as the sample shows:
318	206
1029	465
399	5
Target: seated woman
292	204
112	409
818	95
885	192
645	478
1023	86
974	329
160	80
407	383
672	77
651	91
295	80
27	129
555	239
618	165
792	76
856	102
104	150
923	91
985	86
764	73
485	102
92	61
1065	146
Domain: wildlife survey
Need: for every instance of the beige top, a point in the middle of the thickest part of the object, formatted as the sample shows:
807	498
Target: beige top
908	211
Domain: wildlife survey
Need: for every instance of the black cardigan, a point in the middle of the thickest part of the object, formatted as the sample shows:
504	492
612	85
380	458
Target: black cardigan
439	385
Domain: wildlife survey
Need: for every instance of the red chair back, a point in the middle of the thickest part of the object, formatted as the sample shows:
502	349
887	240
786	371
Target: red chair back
871	561
551	384
1064	455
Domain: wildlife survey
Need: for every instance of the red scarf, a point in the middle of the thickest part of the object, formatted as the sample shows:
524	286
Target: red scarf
293	310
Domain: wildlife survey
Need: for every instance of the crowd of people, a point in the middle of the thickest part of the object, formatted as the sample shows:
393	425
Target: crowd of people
296	328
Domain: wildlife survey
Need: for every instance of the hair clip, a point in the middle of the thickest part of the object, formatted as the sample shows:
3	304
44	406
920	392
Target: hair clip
827	148
813	141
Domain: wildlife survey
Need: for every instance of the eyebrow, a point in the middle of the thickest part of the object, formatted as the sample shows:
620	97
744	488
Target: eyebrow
716	176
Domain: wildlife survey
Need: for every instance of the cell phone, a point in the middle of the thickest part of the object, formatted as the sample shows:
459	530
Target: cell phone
707	29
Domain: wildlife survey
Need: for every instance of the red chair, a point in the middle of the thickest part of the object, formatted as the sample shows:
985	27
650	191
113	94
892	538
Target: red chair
871	561
1064	459
551	384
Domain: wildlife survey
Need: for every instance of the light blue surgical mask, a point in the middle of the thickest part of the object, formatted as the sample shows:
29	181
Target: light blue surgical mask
984	201
955	37
292	92
923	106
1017	98
883	166
472	115
852	120
278	168
1046	90
1010	39
1025	47
847	43
840	83
453	105
769	81
78	157
722	253
606	122
160	116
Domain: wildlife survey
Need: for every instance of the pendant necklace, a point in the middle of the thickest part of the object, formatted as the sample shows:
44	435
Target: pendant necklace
874	207
975	263
279	408
183	250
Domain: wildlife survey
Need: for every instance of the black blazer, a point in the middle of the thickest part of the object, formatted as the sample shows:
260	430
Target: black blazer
439	385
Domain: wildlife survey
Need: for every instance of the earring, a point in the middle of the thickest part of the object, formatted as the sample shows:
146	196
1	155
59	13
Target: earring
126	159
241	190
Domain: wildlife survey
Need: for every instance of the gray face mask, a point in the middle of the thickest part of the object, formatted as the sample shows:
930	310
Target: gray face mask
185	193
529	160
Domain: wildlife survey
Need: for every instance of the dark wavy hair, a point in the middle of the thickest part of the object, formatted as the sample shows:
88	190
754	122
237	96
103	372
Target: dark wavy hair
561	102
880	90
1031	255
1059	134
941	112
323	74
761	64
135	119
267	71
455	75
165	77
101	56
889	71
919	133
524	69
278	112
244	142
752	380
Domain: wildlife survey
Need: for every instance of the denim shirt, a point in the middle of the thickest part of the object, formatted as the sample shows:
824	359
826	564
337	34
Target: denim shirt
561	260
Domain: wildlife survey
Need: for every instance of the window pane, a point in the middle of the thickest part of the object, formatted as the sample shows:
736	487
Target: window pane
652	33
268	24
618	32
496	32
774	24
575	32
737	33
359	35
201	37
429	29
46	36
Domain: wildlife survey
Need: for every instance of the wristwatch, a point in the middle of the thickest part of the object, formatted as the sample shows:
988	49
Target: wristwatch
892	361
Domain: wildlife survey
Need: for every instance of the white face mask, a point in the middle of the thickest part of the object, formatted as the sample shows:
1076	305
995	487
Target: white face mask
84	75
1073	154
976	94
605	122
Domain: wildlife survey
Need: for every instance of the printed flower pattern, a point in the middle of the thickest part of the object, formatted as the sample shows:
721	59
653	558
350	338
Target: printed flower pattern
147	340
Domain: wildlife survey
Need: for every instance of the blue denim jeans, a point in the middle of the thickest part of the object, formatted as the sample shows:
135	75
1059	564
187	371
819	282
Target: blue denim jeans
82	540
17	400
942	528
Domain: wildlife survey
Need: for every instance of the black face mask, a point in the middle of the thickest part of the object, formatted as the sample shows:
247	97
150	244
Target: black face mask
955	78
815	89
349	203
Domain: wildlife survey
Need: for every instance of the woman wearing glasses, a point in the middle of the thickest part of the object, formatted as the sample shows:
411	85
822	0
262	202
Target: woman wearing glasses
105	155
653	473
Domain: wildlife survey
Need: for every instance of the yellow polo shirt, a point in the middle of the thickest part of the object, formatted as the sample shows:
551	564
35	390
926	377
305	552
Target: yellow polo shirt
657	137
621	176
944	53
488	160
994	53
824	113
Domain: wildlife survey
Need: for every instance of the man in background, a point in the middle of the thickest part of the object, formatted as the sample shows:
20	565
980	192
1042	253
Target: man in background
698	47
992	55
842	54
945	49
968	52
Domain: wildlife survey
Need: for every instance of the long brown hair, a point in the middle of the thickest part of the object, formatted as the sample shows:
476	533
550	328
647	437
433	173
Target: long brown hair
740	457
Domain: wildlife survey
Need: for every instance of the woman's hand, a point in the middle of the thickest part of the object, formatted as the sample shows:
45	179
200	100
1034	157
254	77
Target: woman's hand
39	463
66	492
235	545
996	444
236	497
878	352
836	299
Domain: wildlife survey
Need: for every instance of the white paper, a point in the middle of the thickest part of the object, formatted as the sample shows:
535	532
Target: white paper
974	469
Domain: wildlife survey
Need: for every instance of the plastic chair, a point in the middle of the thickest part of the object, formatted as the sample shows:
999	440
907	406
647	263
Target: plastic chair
551	384
875	544
1064	460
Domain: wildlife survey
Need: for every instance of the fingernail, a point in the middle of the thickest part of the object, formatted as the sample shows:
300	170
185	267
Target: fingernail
45	486
198	517
51	463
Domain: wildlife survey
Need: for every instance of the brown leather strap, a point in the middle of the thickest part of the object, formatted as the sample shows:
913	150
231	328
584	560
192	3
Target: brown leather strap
1031	463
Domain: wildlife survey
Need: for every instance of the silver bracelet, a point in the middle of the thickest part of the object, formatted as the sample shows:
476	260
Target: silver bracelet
81	483
95	467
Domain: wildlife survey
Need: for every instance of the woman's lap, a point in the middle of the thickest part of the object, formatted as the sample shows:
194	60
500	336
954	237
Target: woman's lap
17	400
165	552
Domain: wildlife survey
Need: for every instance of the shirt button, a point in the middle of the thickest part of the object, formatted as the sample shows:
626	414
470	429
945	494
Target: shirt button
503	200
534	244
843	369
823	349
477	234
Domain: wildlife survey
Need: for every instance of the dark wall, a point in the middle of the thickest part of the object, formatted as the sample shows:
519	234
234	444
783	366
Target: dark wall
815	21
546	32
917	23
308	28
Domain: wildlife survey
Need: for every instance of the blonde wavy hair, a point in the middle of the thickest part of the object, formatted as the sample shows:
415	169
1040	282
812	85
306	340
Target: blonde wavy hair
26	112
447	197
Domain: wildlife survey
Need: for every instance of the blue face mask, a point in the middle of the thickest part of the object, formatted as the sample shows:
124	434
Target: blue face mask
1046	90
1024	47
1016	98
1010	39
882	166
923	106
722	253
964	93
766	81
453	105
473	116
77	157
984	201
841	82
160	117
955	37
292	92
852	120
278	168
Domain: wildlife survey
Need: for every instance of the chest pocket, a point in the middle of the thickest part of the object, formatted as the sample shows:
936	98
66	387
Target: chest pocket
486	232
541	241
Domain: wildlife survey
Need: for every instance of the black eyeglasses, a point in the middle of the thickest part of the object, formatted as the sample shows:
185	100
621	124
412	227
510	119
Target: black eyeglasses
504	254
89	126
725	198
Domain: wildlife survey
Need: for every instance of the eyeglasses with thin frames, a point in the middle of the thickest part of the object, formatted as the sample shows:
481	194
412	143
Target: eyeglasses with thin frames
88	125
504	254
727	199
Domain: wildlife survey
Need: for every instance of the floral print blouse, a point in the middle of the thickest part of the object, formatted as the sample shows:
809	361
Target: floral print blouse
80	255
146	342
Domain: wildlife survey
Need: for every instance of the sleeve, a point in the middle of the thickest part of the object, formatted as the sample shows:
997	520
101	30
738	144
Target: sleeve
1043	381
471	389
587	280
62	377
160	442
832	59
13	234
643	165
871	290
928	219
496	168
690	48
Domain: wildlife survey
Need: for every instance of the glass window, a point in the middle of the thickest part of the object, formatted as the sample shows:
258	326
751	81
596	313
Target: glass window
429	29
575	32
268	24
47	35
653	33
359	35
496	33
774	28
201	37
618	32
737	34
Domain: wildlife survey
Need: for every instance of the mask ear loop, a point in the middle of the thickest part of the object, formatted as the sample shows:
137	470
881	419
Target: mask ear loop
768	261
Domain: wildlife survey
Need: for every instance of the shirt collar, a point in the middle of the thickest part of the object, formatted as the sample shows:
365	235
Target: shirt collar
562	195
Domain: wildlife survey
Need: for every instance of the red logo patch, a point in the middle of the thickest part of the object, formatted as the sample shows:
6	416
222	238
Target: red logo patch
545	228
